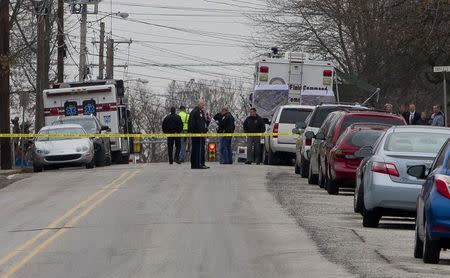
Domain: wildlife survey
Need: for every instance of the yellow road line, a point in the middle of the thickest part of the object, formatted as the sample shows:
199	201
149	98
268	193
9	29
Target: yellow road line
69	224
58	221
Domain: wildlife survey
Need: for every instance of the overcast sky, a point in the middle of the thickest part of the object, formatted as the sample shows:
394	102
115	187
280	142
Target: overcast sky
180	33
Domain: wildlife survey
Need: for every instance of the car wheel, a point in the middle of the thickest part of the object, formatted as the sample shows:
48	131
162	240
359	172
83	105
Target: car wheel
297	169
37	169
431	249
304	167
270	157
100	157
312	179
320	180
108	159
418	244
371	218
357	200
332	187
90	165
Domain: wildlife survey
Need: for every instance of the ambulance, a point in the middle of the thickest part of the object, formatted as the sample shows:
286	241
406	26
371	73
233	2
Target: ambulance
105	99
291	79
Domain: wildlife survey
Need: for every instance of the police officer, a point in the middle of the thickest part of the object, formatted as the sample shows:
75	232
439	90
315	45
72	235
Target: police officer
254	124
198	123
226	124
172	124
185	118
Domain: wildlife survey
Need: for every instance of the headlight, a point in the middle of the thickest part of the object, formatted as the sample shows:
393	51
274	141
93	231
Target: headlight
80	149
41	151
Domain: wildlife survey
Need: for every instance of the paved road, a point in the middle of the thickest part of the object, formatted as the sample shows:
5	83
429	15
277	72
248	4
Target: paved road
386	251
153	221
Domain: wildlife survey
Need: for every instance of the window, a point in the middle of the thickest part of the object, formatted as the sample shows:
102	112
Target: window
89	124
441	156
364	137
415	142
293	116
59	131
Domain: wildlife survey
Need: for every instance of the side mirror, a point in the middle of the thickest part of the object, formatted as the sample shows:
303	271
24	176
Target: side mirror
296	131
418	171
266	121
300	125
309	135
320	136
364	152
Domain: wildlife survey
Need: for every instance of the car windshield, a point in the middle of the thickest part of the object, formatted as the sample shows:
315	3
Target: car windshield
368	119
87	123
292	115
321	113
415	142
72	130
364	137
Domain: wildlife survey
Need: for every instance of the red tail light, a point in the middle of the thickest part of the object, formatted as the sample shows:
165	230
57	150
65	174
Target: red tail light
308	141
439	228
264	69
54	111
328	73
106	107
385	168
275	129
442	184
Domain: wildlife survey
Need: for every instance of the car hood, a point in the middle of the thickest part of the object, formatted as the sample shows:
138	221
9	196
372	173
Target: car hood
62	146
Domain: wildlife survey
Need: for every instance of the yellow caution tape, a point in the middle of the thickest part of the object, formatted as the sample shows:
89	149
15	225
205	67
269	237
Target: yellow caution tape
155	135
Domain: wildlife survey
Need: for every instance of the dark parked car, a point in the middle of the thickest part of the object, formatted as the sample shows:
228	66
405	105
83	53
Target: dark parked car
332	128
433	207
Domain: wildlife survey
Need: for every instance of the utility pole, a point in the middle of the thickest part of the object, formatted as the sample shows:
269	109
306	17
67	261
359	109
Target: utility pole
83	48
110	59
5	143
101	61
43	62
61	44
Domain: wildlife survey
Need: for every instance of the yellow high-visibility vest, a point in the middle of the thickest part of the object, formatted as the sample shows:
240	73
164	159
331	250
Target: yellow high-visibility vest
185	118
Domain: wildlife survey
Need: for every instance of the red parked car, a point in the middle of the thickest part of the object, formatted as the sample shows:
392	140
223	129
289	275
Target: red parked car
342	160
341	121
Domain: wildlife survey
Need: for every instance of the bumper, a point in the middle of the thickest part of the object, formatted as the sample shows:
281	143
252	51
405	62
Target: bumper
342	171
382	192
438	214
305	152
66	159
286	148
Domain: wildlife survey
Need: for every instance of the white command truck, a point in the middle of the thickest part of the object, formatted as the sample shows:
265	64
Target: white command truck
292	79
104	99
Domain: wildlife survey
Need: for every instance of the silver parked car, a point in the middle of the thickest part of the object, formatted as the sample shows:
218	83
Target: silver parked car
57	152
384	187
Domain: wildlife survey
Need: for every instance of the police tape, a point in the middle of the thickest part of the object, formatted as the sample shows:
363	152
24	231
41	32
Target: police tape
154	135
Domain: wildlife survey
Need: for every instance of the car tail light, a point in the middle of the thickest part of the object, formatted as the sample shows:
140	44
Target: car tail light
439	228
308	141
54	111
327	73
339	153
264	69
275	129
106	107
442	185
385	168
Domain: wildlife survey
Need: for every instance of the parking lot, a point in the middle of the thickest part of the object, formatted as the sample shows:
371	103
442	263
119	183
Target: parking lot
386	251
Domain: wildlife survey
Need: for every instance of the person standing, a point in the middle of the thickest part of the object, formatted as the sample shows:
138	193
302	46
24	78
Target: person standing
438	118
411	117
183	140
254	124
388	108
423	119
226	124
172	124
197	123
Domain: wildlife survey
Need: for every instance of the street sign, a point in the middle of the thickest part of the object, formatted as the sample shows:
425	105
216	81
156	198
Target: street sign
441	69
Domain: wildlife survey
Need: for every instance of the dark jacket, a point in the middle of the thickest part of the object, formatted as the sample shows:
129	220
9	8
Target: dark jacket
225	123
254	124
172	123
415	119
198	123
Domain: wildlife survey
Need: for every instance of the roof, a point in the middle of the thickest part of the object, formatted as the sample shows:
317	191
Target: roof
50	127
363	125
421	128
311	107
373	113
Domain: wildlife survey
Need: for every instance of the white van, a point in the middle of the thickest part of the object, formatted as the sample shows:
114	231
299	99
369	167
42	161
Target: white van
282	148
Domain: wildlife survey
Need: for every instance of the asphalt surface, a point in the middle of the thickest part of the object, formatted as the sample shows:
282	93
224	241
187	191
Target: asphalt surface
167	221
386	251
